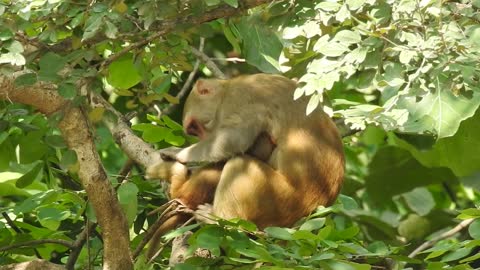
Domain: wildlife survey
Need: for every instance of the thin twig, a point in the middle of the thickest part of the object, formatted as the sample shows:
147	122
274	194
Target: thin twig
188	83
462	225
170	211
11	223
165	27
78	245
209	63
162	246
125	170
18	230
66	243
230	59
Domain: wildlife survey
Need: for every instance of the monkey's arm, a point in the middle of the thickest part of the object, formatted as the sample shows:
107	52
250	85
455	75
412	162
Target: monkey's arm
220	146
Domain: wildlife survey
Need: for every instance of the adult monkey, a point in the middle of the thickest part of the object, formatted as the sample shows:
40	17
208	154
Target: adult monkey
304	169
195	187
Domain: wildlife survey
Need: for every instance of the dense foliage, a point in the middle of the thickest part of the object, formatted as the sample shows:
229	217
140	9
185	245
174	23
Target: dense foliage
403	75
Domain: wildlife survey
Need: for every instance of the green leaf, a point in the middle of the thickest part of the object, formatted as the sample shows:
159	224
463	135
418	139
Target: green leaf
313	224
260	45
55	141
355	4
122	73
420	200
346	265
170	123
210	237
457	254
474	229
111	30
175	140
446	151
26	79
161	84
6	236
16	59
30	176
92	25
212	2
348	202
127	196
152	133
347	37
7	185
328	6
312	103
50	217
232	3
51	63
439	111
69	158
414	227
332	49
279	233
67	90
179	231
394	171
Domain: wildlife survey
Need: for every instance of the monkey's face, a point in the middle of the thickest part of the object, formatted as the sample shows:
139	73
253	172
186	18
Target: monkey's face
201	107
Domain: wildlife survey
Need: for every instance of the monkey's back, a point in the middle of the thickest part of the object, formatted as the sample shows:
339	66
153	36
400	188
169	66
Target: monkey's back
309	149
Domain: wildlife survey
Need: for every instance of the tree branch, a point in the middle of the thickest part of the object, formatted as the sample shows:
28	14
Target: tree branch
66	243
78	245
165	27
77	134
135	148
462	225
209	63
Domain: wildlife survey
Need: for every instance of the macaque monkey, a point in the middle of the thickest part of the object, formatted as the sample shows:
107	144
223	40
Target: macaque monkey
195	187
301	169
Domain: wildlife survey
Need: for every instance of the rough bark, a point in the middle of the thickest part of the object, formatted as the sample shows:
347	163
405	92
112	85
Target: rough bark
77	134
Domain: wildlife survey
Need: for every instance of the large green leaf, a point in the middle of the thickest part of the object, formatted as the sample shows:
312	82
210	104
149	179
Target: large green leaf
439	112
122	73
127	196
261	45
446	151
394	171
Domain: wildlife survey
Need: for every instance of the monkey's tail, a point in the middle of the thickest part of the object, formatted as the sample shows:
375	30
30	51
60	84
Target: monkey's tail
168	225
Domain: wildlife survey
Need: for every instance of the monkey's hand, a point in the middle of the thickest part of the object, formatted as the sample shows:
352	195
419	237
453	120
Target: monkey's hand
170	153
204	213
166	170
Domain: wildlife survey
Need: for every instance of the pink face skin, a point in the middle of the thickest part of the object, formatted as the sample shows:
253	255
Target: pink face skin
194	128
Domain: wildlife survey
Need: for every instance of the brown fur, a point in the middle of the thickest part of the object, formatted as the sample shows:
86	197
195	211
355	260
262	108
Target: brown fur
302	170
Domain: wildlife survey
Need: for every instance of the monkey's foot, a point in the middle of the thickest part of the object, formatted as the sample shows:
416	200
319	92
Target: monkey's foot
204	213
172	205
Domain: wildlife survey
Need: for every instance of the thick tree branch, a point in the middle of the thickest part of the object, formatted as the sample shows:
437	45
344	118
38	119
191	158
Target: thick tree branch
77	134
135	148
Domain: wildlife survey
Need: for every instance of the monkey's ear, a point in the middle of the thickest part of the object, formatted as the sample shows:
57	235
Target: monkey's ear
202	88
207	87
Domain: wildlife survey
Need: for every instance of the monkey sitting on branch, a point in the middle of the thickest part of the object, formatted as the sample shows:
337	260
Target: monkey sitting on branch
269	163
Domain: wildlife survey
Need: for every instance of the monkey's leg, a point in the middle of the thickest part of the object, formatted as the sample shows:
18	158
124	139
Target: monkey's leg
192	190
252	190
